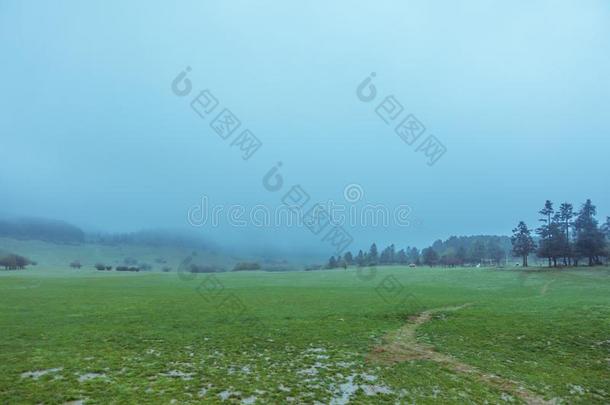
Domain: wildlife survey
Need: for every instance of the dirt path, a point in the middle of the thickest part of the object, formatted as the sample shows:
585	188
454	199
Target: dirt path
402	345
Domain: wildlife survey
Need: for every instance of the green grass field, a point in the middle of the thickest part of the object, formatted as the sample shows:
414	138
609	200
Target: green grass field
327	336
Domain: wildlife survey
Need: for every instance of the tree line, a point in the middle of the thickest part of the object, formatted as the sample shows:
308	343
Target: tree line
455	251
564	237
372	257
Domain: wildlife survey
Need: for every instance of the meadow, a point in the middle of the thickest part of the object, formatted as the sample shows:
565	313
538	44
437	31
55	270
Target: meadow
373	335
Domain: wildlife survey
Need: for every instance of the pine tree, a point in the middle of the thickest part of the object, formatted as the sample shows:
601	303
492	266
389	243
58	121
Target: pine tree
392	254
590	241
557	244
401	257
384	257
373	256
566	213
348	258
360	260
523	243
544	249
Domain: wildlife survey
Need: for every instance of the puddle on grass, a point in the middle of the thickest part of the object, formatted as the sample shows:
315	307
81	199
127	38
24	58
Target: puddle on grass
39	373
346	390
249	401
90	376
178	374
371	390
226	394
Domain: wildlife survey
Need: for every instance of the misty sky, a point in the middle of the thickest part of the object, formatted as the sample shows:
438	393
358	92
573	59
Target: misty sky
91	132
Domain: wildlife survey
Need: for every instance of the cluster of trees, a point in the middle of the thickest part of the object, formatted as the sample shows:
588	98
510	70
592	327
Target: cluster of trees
388	256
467	250
564	237
203	268
455	251
246	266
76	264
125	268
41	229
15	262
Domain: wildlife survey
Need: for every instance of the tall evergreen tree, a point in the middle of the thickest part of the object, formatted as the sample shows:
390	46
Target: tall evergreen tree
544	231
373	256
360	259
384	257
401	257
348	258
557	244
590	241
565	215
523	243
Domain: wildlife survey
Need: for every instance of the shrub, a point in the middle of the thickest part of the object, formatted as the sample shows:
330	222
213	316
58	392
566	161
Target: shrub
76	264
247	266
125	268
100	266
166	269
200	268
108	268
145	267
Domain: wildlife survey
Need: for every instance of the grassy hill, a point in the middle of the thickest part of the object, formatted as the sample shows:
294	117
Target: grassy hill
53	257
